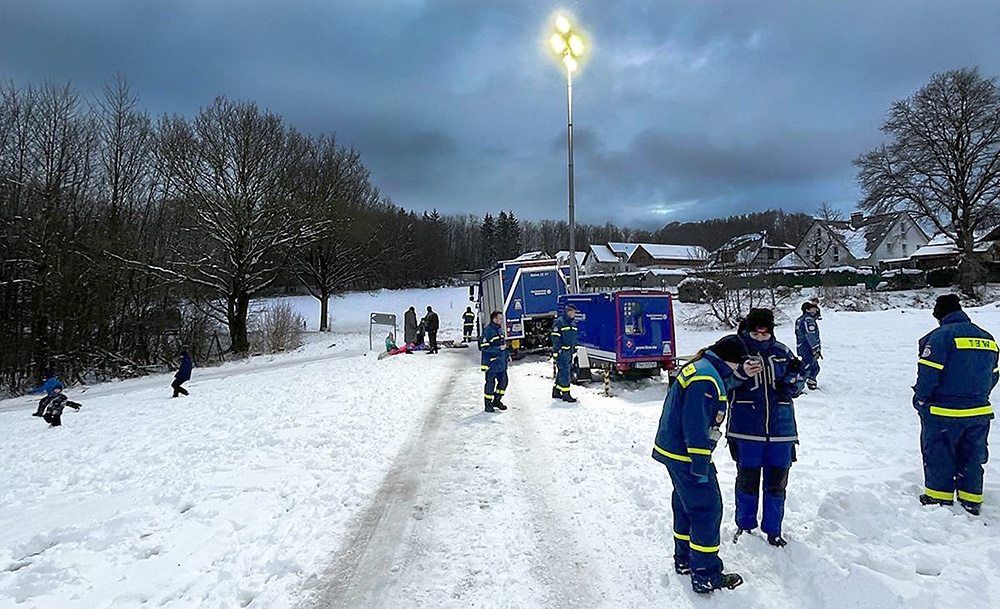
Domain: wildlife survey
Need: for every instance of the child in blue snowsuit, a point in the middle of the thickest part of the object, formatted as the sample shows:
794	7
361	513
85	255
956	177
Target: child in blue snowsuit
49	387
761	431
693	411
807	342
494	363
956	372
183	374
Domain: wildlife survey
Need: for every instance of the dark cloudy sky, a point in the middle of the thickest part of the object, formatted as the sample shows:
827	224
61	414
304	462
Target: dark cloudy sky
684	109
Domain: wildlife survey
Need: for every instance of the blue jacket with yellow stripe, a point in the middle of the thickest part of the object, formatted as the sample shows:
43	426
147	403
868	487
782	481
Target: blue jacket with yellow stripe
563	334
957	369
493	357
692	414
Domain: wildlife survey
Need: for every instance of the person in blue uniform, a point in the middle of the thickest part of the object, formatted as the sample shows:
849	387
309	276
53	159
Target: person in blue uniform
693	412
807	343
563	338
761	431
494	363
956	371
468	323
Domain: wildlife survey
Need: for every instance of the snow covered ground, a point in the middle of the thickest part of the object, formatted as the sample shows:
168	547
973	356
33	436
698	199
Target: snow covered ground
328	478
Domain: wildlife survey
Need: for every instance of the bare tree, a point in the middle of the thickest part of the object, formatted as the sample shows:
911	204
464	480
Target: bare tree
232	165
335	191
942	161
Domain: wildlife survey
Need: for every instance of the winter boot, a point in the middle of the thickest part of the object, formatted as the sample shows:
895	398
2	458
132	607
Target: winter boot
556	394
681	567
777	541
739	533
489	405
726	580
811	384
970	507
499	405
928	500
566	397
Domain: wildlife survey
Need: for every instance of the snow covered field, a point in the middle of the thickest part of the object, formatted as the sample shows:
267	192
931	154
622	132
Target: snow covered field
328	478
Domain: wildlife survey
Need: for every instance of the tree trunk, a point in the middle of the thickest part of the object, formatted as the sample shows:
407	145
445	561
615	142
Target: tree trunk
239	305
324	311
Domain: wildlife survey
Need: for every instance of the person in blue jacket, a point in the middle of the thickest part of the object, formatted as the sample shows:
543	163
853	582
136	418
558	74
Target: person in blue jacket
49	387
468	324
807	343
563	337
761	431
494	363
693	412
183	374
956	371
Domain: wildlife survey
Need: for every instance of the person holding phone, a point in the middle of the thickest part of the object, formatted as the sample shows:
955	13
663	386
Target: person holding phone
761	432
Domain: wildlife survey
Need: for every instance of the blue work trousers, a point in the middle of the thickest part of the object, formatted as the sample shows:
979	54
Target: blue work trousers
697	508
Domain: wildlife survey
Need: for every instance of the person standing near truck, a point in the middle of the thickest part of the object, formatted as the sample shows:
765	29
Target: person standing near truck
563	337
494	363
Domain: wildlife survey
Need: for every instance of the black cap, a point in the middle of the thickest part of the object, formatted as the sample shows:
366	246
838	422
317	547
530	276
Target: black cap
571	306
760	318
809	305
730	349
945	304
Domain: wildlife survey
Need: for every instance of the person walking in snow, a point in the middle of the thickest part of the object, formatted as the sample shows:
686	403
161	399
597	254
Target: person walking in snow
494	363
183	374
431	324
54	408
761	431
956	371
50	387
688	431
563	338
410	326
807	343
468	323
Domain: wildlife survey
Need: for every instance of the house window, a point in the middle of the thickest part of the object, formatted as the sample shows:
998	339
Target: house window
836	254
904	247
888	247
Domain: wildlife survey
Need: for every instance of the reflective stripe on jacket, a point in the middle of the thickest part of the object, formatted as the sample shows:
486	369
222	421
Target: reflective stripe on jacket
563	334
693	410
956	369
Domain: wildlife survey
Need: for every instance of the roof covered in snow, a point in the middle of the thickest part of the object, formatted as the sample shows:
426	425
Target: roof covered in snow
603	254
622	248
563	256
790	261
659	251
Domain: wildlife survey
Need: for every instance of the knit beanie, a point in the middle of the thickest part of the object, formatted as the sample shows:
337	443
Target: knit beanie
730	349
760	318
945	304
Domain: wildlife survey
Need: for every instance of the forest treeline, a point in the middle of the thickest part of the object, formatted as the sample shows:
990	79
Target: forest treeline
124	236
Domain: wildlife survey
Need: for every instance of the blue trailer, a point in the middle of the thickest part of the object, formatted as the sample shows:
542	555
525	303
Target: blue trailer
527	293
630	332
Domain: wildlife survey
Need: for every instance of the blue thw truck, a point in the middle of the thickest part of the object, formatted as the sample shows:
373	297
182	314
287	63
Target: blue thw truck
527	293
630	331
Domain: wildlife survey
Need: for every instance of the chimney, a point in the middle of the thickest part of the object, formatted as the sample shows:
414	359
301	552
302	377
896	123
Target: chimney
857	217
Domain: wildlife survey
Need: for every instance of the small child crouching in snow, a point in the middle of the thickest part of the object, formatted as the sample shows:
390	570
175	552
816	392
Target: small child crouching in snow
54	409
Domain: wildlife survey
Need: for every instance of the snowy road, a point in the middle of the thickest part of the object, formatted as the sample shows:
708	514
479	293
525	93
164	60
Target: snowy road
462	519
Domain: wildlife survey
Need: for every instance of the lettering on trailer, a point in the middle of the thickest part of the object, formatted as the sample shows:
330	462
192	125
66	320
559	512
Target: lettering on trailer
545	292
657	317
646	348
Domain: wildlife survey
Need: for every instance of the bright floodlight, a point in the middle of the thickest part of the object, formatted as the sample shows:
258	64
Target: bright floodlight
558	43
570	63
562	24
576	45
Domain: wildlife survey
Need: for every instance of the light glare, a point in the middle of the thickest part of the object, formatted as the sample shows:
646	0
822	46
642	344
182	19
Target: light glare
562	24
558	43
576	45
570	63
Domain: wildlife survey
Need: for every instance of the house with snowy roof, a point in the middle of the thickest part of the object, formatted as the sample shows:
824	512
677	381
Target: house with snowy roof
861	241
562	257
750	251
662	256
601	259
941	251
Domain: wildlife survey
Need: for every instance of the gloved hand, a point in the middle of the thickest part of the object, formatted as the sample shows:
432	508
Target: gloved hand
918	403
817	354
751	367
701	479
794	365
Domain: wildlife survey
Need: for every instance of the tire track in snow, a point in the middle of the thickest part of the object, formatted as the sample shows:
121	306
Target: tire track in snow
461	521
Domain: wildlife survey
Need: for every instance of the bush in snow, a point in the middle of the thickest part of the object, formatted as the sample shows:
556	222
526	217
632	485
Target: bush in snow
698	289
276	328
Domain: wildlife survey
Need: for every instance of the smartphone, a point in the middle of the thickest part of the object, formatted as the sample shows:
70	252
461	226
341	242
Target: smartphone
756	360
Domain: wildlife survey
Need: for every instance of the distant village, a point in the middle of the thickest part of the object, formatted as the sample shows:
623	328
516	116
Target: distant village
880	246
